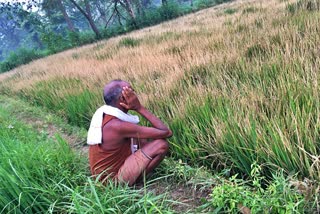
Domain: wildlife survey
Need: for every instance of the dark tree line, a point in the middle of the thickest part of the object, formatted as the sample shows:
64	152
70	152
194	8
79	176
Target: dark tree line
54	25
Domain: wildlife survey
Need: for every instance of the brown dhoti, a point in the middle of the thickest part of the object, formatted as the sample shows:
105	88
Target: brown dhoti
133	167
119	163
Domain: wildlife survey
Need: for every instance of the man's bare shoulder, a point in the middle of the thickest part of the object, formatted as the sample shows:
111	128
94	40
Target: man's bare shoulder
112	131
112	124
118	125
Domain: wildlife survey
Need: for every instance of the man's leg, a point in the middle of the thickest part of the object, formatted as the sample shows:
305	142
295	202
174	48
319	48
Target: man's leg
140	161
157	150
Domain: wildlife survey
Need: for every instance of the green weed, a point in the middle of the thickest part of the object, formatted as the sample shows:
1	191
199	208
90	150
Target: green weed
20	57
129	42
67	96
40	174
249	10
304	5
246	100
237	195
230	11
256	50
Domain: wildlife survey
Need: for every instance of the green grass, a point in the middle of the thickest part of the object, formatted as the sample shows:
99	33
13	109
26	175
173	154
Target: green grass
40	174
259	108
77	108
129	42
279	197
265	107
309	5
230	11
20	57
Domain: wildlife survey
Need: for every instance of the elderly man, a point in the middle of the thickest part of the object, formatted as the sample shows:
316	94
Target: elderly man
118	146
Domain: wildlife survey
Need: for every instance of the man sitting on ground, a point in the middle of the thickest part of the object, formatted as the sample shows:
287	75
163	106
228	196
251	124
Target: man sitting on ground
118	146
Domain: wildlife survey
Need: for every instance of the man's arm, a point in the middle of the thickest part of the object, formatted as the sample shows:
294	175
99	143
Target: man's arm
159	129
155	121
126	130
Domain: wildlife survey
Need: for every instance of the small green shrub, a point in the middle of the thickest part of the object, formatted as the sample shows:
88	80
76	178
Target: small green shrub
74	38
308	5
175	50
241	28
75	56
87	37
201	4
249	10
276	40
149	17
169	10
129	42
108	32
256	50
20	57
230	11
166	36
258	23
199	75
54	42
237	194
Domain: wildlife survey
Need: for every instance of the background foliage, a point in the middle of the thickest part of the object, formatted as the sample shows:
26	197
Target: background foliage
33	29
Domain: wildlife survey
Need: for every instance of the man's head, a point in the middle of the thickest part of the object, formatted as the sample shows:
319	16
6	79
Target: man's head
112	92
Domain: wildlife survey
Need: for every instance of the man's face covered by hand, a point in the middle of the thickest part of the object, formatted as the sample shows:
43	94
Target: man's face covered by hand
123	85
130	99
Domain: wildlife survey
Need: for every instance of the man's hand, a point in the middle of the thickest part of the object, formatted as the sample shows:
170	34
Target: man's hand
131	100
159	130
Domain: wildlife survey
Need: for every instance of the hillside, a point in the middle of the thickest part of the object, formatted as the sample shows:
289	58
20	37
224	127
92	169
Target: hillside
237	84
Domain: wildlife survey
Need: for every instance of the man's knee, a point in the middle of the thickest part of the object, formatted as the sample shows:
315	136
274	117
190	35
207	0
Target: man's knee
156	147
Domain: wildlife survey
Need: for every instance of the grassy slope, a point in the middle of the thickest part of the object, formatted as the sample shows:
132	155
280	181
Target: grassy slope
236	83
39	138
40	173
